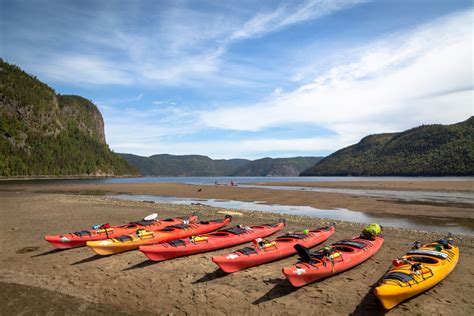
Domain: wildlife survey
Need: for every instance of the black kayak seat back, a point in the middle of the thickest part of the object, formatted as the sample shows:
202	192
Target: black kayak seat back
181	226
124	238
247	250
176	242
235	231
303	252
297	236
204	222
144	222
352	243
82	233
399	276
170	219
271	225
431	253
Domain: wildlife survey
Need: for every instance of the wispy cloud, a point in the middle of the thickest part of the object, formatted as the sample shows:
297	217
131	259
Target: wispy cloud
288	15
387	85
165	52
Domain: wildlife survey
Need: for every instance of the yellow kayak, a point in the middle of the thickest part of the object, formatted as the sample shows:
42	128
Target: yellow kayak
141	237
419	270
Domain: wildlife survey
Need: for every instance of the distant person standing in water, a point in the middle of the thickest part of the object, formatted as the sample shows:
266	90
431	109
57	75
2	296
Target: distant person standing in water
232	183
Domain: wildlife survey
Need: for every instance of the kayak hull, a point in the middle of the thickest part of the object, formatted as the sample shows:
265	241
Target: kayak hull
131	242
209	242
432	271
79	239
347	257
284	247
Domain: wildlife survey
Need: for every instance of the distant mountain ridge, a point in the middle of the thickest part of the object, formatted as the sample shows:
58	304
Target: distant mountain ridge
276	166
47	134
428	150
197	165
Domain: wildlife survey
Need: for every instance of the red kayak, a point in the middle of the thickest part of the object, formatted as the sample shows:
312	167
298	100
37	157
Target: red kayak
331	260
142	237
101	232
272	250
208	242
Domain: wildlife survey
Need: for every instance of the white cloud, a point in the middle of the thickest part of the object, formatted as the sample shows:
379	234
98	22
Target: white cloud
285	16
81	69
389	85
180	45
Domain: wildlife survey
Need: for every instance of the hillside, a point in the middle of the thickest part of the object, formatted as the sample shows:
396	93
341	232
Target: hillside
428	150
276	166
44	133
184	165
196	165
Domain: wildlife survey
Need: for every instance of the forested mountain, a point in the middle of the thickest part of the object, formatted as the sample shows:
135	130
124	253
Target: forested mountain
276	166
184	165
195	165
428	150
44	133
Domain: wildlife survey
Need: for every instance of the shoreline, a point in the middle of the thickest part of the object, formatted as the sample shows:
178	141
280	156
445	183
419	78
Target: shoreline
426	185
127	283
320	200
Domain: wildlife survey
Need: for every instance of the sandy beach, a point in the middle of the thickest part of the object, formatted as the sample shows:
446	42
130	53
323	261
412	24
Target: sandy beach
73	281
424	185
321	200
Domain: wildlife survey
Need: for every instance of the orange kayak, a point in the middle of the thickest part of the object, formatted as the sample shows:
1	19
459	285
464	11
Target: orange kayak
275	249
101	232
334	259
133	241
208	242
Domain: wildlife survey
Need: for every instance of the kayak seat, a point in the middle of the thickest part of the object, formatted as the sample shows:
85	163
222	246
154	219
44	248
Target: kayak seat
399	276
204	222
124	238
432	253
181	226
144	223
176	243
325	228
82	233
355	244
306	255
169	220
297	236
247	250
271	225
446	243
235	231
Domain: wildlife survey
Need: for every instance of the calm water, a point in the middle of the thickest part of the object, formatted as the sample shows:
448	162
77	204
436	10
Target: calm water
459	197
426	223
236	180
429	196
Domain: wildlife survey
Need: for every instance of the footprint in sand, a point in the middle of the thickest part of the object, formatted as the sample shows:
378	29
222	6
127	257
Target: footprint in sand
27	249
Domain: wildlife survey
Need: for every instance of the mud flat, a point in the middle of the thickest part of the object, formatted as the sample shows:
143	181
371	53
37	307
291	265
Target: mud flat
34	279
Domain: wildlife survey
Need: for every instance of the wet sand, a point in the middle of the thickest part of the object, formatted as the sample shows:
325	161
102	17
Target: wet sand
321	200
424	185
34	279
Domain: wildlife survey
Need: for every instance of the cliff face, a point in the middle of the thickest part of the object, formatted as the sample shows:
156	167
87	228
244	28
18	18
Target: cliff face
42	133
430	150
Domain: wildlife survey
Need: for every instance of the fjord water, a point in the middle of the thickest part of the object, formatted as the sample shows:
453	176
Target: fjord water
425	223
454	225
418	195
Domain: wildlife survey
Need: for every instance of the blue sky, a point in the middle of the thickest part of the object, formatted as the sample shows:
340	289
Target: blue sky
250	78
